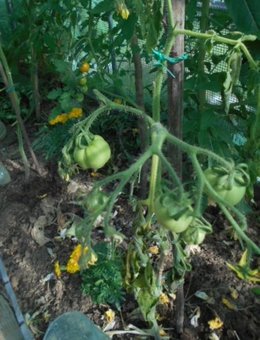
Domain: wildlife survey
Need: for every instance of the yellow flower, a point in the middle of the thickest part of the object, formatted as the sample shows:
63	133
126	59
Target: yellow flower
57	269
76	112
76	252
73	265
109	315
123	11
154	250
62	118
215	323
164	299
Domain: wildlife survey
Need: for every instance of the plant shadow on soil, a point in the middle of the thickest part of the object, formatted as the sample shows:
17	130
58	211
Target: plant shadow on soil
23	205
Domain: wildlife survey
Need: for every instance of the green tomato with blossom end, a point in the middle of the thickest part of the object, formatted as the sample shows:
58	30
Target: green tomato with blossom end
230	186
95	202
171	214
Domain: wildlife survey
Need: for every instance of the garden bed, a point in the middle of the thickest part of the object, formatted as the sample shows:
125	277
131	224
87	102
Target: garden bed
32	217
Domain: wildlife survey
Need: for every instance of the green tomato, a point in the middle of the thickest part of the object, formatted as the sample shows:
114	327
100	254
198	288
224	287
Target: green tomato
197	231
83	81
84	89
231	191
96	202
80	158
97	153
171	215
193	235
80	97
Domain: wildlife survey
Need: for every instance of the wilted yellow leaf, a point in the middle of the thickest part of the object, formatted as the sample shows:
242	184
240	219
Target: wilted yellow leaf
164	299
234	293
109	315
162	332
243	260
243	271
229	304
154	250
215	323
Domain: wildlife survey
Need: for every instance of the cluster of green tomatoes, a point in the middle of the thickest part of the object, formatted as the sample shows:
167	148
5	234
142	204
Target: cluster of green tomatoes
173	210
177	215
83	87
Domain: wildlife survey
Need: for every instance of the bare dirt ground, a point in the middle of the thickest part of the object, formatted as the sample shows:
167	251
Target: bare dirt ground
32	215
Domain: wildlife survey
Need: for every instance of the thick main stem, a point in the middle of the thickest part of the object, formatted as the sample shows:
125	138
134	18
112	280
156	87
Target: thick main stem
8	81
156	109
142	124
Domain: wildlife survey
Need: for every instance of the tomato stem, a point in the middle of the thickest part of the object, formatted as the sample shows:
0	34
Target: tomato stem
239	231
214	37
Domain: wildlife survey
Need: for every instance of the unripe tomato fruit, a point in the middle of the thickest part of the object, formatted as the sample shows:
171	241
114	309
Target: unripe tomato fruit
97	153
80	97
96	202
197	231
233	192
83	81
93	156
84	68
84	89
80	158
193	236
171	216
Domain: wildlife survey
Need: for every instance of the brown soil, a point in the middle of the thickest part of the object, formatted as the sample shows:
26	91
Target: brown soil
33	213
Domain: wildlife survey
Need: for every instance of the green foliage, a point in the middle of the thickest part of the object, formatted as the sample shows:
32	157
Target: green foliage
50	140
221	83
150	15
246	15
104	282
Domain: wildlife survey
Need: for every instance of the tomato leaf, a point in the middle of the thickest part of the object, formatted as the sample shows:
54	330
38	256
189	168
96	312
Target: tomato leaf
246	15
103	6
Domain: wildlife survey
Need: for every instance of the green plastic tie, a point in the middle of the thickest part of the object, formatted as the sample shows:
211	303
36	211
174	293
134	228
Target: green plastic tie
161	58
10	89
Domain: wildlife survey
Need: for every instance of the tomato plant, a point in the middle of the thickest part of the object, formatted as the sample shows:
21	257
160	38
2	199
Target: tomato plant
177	211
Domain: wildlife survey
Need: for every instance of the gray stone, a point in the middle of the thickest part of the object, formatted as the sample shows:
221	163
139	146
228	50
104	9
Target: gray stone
74	325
